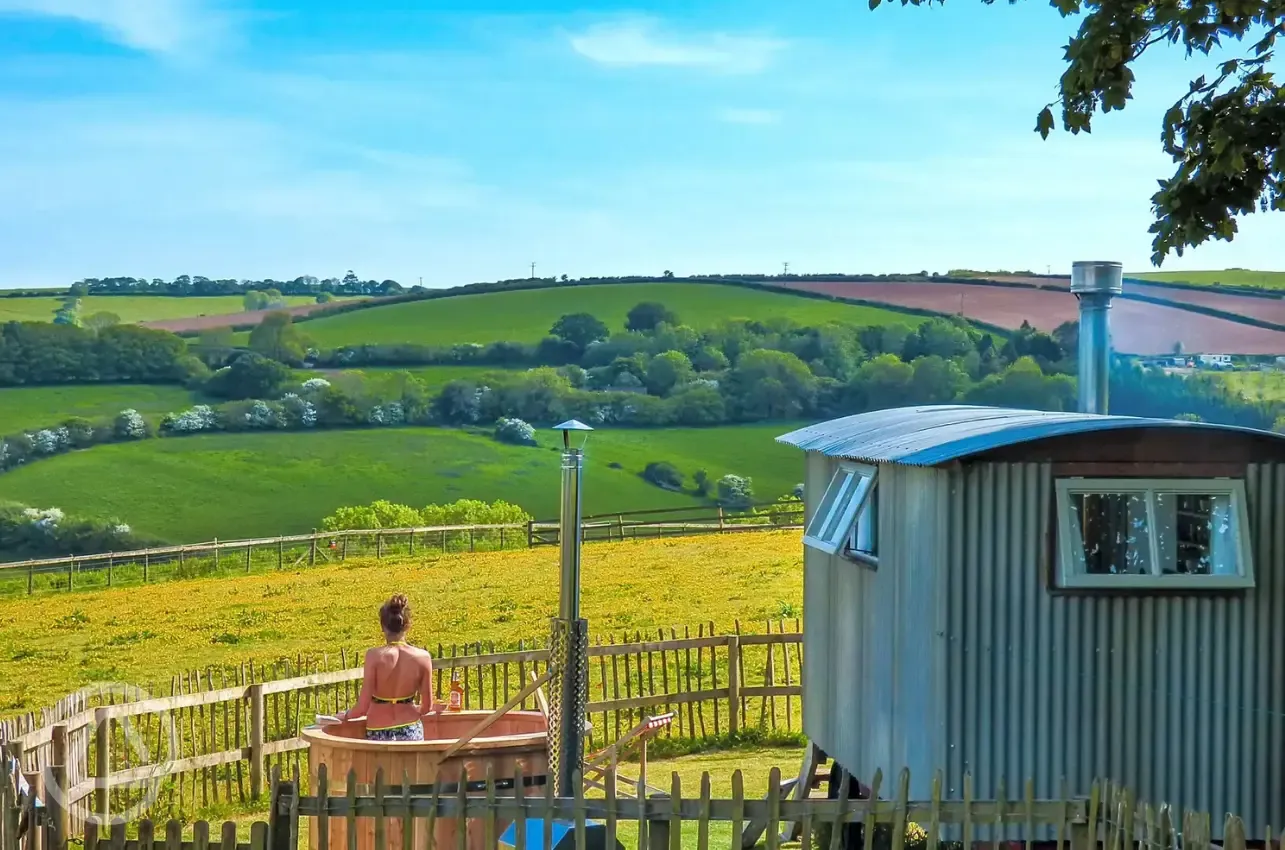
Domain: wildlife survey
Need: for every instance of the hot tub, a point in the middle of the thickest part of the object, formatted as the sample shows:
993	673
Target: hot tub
518	738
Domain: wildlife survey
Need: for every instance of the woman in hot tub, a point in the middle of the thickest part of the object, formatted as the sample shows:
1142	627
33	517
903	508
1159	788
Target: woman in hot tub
394	674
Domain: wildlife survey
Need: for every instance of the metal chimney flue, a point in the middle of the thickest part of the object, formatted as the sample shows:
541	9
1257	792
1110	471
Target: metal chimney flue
1095	283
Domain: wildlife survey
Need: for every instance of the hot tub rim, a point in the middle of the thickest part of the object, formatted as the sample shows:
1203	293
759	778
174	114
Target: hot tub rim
317	735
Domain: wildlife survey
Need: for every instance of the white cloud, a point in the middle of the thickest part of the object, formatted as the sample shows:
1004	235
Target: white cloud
638	43
749	116
159	26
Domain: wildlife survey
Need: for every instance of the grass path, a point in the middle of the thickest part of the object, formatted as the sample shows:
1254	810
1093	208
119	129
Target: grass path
189	489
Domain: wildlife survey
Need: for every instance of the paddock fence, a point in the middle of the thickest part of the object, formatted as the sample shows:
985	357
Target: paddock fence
209	745
292	552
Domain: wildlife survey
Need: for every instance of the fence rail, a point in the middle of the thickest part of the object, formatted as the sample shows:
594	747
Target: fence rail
210	743
218	557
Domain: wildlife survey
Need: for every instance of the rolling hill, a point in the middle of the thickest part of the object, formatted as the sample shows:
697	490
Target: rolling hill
527	315
188	489
132	308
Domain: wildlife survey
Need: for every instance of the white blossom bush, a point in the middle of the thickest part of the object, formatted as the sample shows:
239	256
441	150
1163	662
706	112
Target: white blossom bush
514	431
199	418
313	385
129	425
298	413
394	413
735	491
376	415
121	528
46	520
50	441
261	415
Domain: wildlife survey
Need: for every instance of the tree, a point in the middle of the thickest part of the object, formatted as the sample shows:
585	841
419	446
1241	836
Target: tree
250	375
768	384
884	381
1226	135
254	301
668	370
100	320
940	337
1024	384
580	329
325	297
646	316
936	380
664	475
277	337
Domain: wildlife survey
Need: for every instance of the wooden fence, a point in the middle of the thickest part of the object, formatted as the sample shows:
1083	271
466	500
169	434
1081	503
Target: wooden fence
410	816
210	743
230	557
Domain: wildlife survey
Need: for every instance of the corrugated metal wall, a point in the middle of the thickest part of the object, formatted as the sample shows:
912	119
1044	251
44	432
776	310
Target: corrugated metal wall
1181	697
874	659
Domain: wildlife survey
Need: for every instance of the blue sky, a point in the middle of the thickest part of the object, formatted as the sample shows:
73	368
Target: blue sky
463	140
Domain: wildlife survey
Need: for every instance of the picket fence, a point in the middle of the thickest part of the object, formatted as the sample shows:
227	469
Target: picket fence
227	557
409	817
210	743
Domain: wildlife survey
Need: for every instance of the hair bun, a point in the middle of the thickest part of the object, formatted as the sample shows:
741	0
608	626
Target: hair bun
394	615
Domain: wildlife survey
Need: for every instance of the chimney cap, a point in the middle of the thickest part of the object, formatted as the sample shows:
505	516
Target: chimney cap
1097	276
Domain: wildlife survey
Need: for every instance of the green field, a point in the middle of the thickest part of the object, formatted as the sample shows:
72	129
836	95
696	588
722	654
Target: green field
526	316
261	484
39	407
1257	386
1227	277
132	308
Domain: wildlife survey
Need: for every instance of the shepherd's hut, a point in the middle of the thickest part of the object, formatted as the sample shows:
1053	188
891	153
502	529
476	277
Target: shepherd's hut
1019	594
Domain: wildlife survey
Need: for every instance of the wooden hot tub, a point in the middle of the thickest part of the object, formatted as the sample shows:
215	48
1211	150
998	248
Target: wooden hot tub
518	738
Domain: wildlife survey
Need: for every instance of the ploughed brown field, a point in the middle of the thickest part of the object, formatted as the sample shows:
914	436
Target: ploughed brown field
1137	327
231	320
1267	309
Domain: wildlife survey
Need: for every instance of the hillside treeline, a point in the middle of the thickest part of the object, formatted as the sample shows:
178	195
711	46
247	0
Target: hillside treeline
194	285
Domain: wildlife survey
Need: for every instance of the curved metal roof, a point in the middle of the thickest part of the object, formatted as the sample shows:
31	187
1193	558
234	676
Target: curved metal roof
934	434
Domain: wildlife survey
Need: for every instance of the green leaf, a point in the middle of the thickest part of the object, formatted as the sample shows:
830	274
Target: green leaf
1044	123
874	4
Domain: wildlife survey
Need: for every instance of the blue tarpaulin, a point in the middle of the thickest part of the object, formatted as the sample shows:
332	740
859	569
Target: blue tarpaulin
562	836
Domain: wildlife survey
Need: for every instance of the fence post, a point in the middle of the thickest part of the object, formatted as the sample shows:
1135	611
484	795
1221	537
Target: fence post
379	544
283	817
410	548
31	579
71	573
312	550
216	554
58	744
280	553
110	561
256	740
733	683
721	518
530	533
146	561
102	764
35	782
248	551
343	552
59	815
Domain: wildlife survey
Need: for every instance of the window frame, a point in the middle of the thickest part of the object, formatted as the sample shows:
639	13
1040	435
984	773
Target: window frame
1070	577
849	512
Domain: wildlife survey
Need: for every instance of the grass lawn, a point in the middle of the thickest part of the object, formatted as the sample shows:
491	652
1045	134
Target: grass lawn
187	489
1257	386
132	308
145	634
526	316
39	407
1227	277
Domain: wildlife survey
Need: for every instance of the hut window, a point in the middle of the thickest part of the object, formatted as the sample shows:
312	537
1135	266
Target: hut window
1153	533
844	517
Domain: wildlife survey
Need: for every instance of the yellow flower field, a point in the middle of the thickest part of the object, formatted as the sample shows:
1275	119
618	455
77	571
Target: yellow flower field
50	645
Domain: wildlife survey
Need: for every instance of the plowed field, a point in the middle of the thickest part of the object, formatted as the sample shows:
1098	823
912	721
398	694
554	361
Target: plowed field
1267	309
1137	327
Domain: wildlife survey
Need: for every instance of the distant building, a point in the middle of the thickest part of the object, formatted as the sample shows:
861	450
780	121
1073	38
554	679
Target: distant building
1217	361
